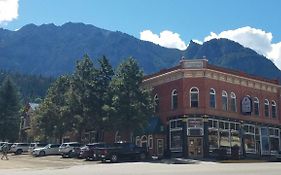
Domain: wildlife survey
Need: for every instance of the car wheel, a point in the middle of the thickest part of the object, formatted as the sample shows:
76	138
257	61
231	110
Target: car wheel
114	158
142	156
19	151
42	153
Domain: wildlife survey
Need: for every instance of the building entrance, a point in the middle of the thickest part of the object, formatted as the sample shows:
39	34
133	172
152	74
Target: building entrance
195	147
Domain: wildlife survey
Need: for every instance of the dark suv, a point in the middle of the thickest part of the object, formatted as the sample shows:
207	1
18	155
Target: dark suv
89	151
122	151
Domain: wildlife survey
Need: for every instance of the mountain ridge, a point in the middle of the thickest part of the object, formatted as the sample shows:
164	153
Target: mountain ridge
53	50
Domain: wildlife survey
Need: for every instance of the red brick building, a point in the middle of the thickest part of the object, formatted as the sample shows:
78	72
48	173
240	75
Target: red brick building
205	108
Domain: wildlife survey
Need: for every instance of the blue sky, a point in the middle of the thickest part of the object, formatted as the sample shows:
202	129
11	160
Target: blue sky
170	23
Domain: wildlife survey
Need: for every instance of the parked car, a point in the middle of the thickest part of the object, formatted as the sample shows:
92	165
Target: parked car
32	146
50	149
70	149
90	151
19	148
122	151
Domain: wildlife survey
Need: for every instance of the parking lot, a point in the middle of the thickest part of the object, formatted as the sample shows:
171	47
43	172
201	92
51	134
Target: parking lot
55	165
28	161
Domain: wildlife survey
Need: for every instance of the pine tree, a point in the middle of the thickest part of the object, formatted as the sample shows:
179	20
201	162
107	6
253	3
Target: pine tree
9	107
132	105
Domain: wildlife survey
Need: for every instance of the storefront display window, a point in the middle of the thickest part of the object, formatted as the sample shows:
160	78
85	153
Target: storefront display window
224	139
176	139
274	145
235	139
249	140
213	139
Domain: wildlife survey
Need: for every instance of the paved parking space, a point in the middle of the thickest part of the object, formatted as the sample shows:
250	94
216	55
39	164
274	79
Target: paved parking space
28	161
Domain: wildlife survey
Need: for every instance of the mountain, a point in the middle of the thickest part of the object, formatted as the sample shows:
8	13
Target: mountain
232	55
52	50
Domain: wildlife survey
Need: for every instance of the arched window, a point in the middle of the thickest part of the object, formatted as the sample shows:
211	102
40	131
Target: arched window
256	106
174	99
156	103
273	109
194	97
224	100
212	98
266	108
233	103
144	141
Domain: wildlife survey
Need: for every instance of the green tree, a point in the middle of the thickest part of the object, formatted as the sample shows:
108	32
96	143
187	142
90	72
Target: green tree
131	104
84	98
9	107
54	114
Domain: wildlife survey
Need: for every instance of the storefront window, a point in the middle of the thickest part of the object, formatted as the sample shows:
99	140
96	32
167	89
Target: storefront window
274	145
264	141
235	139
224	139
176	139
249	140
213	139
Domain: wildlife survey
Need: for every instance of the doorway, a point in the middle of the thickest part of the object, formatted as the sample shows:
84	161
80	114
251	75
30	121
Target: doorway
195	147
160	147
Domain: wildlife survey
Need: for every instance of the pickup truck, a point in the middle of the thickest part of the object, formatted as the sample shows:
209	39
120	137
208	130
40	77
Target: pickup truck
122	151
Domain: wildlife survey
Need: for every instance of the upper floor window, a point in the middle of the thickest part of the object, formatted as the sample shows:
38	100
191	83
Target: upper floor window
156	103
273	109
224	100
174	99
233	103
266	108
194	97
212	98
256	106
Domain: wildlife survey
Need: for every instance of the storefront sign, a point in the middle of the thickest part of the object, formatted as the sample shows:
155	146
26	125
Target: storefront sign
195	123
246	105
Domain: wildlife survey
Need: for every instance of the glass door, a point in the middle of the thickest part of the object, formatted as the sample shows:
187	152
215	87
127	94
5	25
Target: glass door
195	147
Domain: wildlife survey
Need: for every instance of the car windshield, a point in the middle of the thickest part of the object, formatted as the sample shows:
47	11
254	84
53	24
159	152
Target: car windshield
47	146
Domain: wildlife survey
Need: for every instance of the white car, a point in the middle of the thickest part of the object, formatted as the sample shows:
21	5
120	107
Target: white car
68	149
32	146
50	149
19	148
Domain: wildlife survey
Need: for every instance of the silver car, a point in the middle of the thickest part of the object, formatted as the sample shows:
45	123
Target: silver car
50	149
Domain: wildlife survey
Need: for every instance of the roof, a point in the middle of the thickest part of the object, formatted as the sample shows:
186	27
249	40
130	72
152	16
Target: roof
206	65
154	126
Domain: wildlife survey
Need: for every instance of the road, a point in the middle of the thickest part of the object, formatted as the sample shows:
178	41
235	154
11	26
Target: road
58	166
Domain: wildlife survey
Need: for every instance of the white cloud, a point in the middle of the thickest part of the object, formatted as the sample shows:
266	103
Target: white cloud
256	39
8	10
166	39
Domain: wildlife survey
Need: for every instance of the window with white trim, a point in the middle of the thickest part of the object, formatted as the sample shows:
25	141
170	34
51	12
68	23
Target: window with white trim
266	108
175	135
212	98
273	109
174	99
233	103
156	103
249	138
194	97
150	142
224	100
256	106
